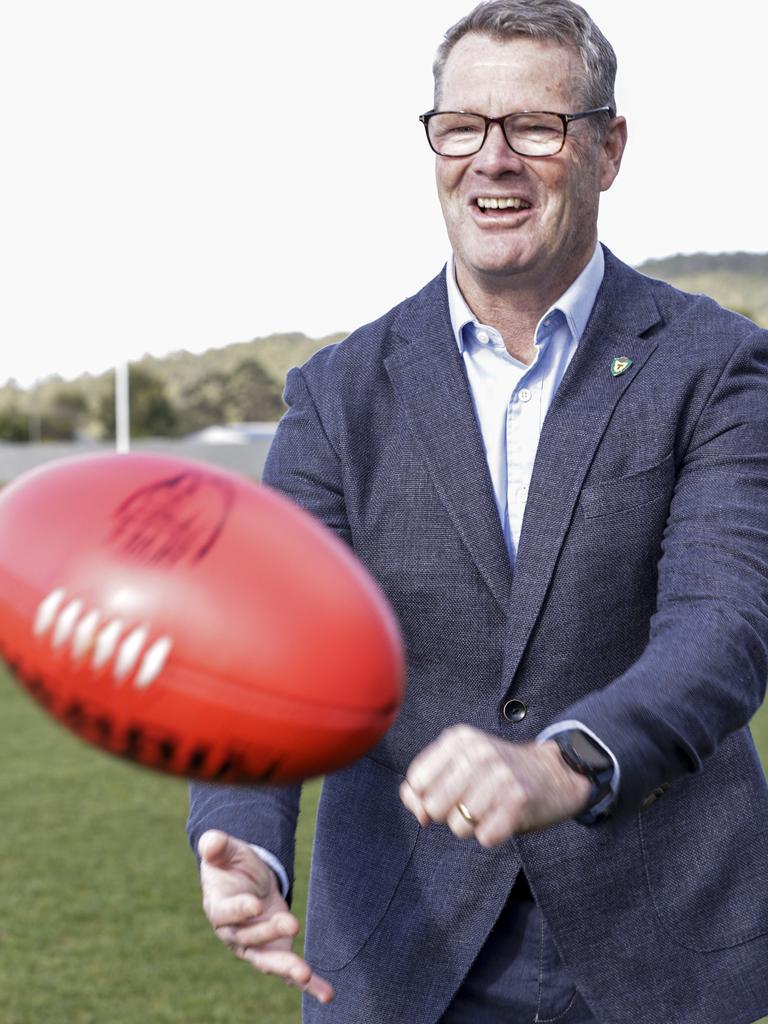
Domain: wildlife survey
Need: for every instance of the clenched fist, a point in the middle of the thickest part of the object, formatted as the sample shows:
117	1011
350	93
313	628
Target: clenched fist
486	787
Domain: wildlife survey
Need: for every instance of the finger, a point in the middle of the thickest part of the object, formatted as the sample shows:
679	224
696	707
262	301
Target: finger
500	823
232	910
458	783
318	987
474	778
226	933
458	824
292	969
478	800
413	803
283	963
217	848
281	926
434	760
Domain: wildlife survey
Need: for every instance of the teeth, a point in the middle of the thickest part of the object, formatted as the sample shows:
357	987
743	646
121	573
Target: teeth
496	203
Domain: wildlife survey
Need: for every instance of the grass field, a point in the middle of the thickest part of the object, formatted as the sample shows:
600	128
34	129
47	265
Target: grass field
100	919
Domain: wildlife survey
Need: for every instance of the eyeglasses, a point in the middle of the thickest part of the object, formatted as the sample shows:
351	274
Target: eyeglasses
528	133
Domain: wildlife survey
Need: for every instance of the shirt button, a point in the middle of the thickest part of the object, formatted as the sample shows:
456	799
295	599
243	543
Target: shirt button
524	395
514	710
482	336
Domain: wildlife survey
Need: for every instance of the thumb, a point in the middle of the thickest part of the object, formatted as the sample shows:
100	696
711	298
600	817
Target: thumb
217	848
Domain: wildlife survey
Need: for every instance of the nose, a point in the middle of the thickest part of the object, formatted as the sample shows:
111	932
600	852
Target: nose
496	157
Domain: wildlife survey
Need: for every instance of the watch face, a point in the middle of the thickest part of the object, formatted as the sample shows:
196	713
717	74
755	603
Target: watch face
584	757
585	748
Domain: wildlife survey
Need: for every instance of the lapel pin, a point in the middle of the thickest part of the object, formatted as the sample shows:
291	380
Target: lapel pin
620	365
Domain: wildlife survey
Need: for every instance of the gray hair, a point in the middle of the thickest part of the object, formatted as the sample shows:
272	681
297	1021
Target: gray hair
560	21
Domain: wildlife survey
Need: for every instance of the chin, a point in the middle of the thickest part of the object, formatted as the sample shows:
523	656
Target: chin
501	259
499	267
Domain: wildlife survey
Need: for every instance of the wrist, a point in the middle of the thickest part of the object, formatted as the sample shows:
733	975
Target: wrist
277	873
587	757
577	788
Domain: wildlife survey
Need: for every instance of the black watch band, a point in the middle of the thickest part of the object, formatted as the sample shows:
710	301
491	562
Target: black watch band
584	756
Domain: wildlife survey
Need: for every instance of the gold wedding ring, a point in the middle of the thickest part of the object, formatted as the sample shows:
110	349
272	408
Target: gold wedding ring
466	814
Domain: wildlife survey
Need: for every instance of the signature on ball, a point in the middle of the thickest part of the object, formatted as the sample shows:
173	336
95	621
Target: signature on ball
175	519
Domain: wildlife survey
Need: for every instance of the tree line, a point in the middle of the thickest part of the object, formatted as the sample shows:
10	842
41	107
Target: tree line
60	410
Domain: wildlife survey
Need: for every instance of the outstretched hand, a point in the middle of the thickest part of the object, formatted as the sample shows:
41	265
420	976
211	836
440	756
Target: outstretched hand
243	903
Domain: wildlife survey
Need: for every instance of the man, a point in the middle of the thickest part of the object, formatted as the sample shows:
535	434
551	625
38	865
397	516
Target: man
557	470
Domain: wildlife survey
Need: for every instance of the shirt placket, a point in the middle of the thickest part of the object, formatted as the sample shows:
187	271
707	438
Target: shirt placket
523	426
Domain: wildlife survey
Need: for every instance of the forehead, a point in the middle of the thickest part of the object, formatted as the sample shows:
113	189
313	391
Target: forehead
496	77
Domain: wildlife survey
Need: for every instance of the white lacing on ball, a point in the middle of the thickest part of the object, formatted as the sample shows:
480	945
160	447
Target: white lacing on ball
46	613
153	662
90	632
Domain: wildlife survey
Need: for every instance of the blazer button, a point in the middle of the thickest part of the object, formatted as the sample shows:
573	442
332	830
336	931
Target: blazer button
514	710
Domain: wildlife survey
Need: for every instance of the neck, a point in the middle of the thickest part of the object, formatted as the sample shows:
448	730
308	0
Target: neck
513	304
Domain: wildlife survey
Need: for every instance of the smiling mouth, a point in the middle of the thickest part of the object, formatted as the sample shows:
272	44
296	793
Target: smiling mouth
486	203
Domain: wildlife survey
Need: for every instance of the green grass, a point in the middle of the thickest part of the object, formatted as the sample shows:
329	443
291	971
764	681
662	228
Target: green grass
100	916
100	919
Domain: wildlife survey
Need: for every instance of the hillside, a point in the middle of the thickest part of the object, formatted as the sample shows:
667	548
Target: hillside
276	353
736	280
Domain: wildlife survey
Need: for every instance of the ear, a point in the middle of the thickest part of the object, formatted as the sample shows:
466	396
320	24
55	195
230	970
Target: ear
612	150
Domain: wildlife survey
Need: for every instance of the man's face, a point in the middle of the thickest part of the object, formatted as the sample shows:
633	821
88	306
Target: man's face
549	239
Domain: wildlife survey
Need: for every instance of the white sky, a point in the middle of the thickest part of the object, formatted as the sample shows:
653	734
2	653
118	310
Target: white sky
173	176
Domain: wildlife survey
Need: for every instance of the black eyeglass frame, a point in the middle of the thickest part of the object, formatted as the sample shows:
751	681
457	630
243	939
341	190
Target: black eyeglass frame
565	118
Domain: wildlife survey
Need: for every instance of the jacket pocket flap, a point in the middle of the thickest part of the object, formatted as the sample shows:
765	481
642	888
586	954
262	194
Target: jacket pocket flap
627	492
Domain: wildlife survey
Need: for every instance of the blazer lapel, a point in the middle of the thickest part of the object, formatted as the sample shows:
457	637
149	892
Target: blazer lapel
428	376
624	312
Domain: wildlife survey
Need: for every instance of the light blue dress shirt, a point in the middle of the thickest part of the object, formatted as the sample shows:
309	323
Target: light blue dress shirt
511	400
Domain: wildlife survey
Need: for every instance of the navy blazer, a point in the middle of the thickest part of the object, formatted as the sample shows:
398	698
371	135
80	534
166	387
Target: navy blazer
638	605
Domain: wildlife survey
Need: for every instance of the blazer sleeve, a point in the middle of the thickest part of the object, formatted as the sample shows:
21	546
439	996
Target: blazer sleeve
303	465
703	672
303	462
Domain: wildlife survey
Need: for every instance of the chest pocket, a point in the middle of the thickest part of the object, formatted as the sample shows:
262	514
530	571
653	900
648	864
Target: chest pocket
624	493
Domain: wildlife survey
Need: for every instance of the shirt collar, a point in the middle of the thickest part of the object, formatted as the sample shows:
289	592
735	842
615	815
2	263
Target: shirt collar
575	304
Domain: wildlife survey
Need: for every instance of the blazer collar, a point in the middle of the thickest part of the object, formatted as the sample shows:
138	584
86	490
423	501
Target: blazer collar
427	373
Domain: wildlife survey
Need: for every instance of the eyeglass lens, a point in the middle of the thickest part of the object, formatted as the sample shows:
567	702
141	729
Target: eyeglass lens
456	134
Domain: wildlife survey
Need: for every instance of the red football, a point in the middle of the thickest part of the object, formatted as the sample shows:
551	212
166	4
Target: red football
185	618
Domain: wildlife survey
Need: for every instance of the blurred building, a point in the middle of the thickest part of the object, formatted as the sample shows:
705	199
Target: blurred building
239	447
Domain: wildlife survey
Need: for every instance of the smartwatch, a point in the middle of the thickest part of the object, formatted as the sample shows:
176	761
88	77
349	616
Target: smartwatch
584	756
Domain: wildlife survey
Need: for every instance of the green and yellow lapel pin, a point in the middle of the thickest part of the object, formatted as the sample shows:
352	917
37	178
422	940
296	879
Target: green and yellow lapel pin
620	365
